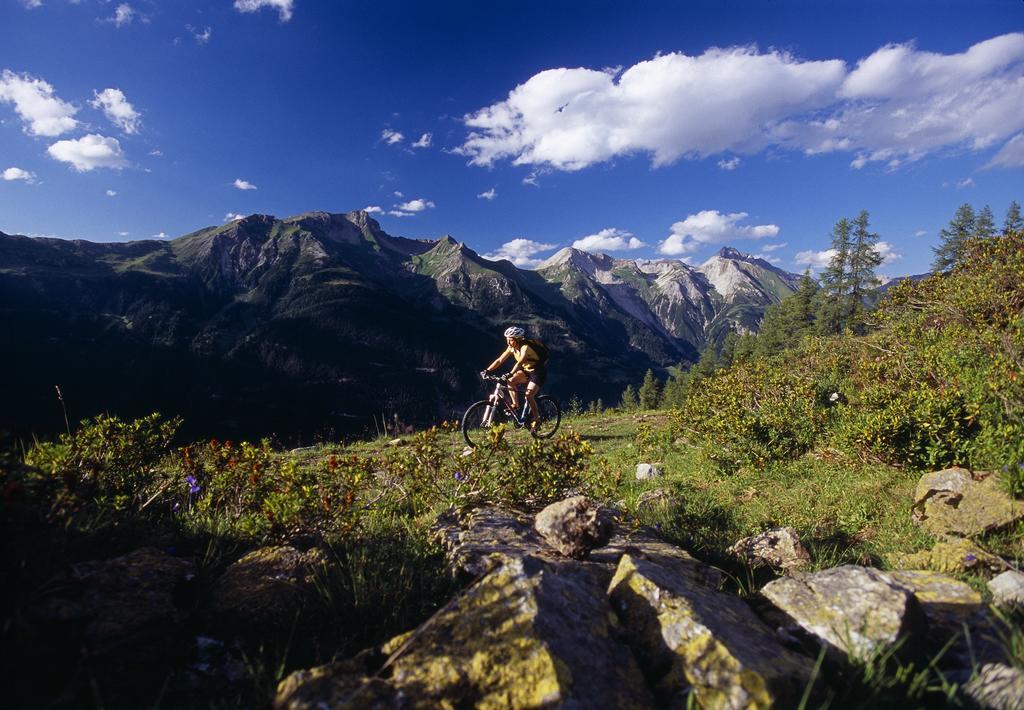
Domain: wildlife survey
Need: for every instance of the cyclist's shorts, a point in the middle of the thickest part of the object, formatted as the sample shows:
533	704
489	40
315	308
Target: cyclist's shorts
539	376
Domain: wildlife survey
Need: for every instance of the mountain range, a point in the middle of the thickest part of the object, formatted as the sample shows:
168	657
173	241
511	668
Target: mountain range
317	323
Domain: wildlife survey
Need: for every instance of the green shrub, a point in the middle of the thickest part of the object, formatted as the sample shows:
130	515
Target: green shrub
753	413
107	464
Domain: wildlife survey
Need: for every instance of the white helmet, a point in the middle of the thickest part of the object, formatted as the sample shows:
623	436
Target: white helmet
515	332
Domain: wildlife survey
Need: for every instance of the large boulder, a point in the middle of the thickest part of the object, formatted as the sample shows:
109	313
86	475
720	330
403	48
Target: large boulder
689	636
957	502
574	527
853	612
1008	589
997	687
953	555
270	585
529	634
779	548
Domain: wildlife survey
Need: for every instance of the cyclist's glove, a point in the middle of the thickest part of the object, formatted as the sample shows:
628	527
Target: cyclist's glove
483	374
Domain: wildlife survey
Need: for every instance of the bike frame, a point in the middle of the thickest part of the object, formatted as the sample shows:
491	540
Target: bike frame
502	396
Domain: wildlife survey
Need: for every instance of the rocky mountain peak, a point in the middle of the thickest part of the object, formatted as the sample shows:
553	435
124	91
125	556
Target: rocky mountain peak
731	253
578	259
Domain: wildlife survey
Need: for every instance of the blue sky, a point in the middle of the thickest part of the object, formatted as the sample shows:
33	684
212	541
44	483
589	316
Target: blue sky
653	129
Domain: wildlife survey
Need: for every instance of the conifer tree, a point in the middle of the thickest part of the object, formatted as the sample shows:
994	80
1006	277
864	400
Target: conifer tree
674	394
728	352
744	348
629	400
985	224
1013	222
960	229
650	391
835	282
706	366
864	259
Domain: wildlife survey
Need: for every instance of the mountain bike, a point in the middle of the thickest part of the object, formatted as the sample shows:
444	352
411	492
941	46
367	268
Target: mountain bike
482	415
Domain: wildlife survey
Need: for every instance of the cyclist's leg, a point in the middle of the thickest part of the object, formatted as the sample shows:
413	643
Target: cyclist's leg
517	380
537	378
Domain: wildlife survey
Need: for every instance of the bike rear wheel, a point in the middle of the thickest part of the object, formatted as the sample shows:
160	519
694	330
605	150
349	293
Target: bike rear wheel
550	416
476	422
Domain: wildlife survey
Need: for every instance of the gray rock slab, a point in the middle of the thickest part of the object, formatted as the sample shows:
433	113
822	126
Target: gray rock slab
1007	589
573	527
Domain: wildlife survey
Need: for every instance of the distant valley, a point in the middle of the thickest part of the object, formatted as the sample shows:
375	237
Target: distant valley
315	324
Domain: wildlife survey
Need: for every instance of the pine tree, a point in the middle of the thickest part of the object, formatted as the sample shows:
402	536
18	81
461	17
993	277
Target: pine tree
650	391
744	348
803	308
835	282
1013	222
985	224
960	229
864	259
629	400
706	366
728	352
674	394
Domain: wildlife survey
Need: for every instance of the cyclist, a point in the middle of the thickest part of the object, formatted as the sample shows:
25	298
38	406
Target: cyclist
529	370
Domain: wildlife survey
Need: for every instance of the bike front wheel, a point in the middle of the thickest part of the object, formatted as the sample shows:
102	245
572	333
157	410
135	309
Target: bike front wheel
477	421
549	417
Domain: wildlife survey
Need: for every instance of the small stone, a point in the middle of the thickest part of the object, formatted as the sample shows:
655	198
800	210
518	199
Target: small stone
1008	589
778	547
396	442
647	471
997	687
573	527
468	451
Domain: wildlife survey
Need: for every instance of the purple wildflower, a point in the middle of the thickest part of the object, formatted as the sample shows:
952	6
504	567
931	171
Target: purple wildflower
176	508
459	476
970	557
193	486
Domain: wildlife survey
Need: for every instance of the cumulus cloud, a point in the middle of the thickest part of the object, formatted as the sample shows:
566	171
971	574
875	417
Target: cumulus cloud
233	217
123	15
712	227
1011	155
111	193
670	106
730	164
283	7
425	140
769	258
888	253
32	4
160	235
35	103
391	137
610	239
417	205
815	260
89	152
11	174
373	209
488	194
117	109
521	252
774	247
895	106
241	184
201	36
966	182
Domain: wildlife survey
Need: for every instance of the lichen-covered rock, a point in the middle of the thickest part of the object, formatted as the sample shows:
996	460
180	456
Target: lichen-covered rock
956	502
955	555
342	684
691	636
1007	589
268	585
779	548
997	687
573	527
529	634
854	612
648	471
486	538
121	613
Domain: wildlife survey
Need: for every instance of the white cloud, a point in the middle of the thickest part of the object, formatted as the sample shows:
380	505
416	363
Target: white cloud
774	247
610	239
89	152
160	235
895	106
488	194
400	213
417	205
117	109
1011	155
424	142
532	178
201	36
32	4
241	184
391	137
11	174
730	164
888	253
966	182
712	227
123	234
769	258
123	15
398	194
34	101
670	106
920	233
816	260
111	193
156	153
520	252
233	217
283	7
373	209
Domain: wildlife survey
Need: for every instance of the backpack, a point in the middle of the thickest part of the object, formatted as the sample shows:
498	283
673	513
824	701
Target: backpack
541	349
